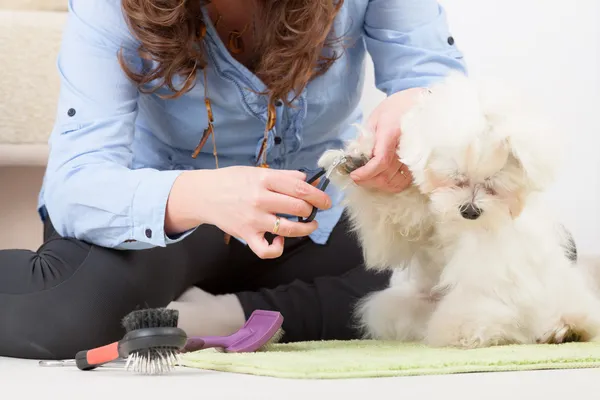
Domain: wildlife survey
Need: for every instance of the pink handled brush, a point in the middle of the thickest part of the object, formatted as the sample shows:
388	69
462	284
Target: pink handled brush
262	329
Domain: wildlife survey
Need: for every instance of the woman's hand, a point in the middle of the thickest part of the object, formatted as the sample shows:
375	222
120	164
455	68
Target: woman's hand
385	171
244	201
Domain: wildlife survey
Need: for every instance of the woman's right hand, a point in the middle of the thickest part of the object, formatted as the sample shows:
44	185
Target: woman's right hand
244	202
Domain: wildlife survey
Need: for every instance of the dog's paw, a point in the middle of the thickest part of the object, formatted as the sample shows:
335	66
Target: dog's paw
469	322
560	334
352	163
395	313
468	339
573	328
355	155
341	161
438	292
330	159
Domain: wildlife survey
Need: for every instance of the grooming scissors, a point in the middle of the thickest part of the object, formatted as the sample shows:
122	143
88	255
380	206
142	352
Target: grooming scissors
320	180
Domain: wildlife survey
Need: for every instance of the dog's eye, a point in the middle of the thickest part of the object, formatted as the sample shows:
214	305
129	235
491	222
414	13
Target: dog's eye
459	180
488	187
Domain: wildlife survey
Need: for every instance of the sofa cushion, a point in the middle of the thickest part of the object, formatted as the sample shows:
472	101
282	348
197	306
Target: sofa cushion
38	5
30	41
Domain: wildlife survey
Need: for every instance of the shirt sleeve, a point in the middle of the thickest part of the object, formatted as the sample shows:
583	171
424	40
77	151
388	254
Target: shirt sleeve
410	44
91	191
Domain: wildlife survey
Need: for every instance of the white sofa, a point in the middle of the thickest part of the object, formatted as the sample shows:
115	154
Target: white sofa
30	33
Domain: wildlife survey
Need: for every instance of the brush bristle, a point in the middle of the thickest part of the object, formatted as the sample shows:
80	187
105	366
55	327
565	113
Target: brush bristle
151	318
155	360
276	338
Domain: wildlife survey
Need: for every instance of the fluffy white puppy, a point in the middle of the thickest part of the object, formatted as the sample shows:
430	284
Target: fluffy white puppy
478	257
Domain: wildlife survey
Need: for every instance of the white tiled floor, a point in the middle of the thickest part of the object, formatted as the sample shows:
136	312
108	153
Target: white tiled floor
65	383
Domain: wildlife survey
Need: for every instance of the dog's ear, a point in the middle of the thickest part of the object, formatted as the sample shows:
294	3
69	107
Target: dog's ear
413	148
532	138
537	147
539	158
441	118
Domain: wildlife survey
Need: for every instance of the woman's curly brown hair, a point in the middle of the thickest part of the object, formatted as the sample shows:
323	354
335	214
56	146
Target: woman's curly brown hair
293	42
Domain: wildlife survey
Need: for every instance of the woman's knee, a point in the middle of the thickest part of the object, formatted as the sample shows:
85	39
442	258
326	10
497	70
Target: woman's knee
67	297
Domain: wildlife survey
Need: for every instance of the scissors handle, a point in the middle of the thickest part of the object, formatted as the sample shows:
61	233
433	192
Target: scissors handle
73	363
321	185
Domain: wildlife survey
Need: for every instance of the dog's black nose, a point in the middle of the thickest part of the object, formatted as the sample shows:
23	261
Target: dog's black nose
469	211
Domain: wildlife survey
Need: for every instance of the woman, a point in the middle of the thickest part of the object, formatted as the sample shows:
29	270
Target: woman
152	189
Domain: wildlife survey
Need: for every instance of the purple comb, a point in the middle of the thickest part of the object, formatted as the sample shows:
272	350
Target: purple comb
263	327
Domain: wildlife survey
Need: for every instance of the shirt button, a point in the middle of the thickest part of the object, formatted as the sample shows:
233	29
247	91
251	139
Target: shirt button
149	233
278	140
451	41
71	112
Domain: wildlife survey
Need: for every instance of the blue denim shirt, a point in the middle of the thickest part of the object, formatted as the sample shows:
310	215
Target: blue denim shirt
115	153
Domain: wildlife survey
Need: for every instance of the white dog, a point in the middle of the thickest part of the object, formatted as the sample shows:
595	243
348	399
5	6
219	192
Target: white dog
478	258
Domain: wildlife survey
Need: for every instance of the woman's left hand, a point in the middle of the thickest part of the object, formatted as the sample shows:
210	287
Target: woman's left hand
385	171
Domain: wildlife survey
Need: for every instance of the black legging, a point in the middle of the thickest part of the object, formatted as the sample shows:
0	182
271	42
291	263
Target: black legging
70	295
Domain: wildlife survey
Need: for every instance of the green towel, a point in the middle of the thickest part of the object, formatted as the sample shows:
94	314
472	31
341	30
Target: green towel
369	359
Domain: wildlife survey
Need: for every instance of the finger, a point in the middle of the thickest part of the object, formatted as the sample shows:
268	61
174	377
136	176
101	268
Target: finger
397	187
276	203
371	124
391	174
293	174
399	183
261	247
379	164
405	177
388	134
280	240
384	153
381	184
289	228
370	170
389	181
397	174
300	189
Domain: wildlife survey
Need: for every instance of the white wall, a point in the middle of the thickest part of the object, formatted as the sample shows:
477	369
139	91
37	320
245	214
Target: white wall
552	49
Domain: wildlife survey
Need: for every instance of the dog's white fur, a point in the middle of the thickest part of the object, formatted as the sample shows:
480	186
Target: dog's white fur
502	278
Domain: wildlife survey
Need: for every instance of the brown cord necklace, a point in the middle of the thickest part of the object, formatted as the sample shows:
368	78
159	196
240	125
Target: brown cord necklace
235	44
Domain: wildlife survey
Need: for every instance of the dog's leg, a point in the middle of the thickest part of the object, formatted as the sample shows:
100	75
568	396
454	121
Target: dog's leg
372	213
399	312
466	321
573	310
